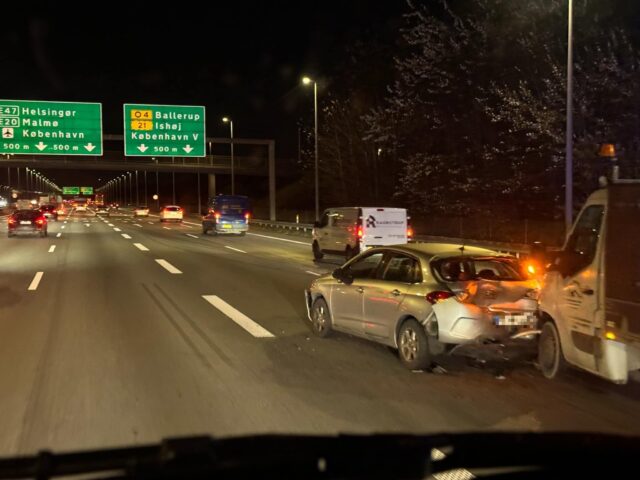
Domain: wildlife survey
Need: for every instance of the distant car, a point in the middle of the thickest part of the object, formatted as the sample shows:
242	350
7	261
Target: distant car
50	212
141	211
114	206
81	207
422	299
228	214
102	210
27	221
3	202
171	213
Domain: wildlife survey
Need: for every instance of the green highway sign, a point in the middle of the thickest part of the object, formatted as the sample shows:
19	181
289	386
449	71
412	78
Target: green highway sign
164	131
86	190
71	190
50	128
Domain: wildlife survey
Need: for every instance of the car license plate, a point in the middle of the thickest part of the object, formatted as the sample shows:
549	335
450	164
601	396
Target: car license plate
25	222
226	225
509	319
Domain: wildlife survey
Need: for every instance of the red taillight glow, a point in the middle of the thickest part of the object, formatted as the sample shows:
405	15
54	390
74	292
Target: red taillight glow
40	220
438	296
12	221
409	232
246	216
217	215
360	232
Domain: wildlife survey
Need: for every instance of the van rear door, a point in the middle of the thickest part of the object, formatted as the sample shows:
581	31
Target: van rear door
384	226
622	262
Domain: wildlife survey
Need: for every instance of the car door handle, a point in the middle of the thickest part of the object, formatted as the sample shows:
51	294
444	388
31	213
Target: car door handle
395	292
360	290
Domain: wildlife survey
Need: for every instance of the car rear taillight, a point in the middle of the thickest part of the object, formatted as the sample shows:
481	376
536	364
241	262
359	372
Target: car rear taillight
438	296
360	232
12	221
409	232
217	215
247	215
40	220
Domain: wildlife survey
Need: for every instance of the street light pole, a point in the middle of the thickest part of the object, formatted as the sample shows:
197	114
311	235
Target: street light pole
568	193
130	188
233	180
137	193
307	81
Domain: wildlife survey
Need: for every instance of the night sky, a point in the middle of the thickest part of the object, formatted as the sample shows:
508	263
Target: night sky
243	59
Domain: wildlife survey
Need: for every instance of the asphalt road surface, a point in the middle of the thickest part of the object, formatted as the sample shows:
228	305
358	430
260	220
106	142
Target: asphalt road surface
137	330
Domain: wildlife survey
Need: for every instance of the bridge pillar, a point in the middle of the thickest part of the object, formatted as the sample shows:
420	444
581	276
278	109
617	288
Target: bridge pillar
212	186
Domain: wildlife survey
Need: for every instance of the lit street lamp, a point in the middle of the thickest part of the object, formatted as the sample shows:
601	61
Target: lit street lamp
230	122
308	81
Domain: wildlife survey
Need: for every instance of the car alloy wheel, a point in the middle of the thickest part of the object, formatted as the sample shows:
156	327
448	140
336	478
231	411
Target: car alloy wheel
320	318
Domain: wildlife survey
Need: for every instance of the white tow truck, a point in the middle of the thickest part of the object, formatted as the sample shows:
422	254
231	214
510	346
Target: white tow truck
589	304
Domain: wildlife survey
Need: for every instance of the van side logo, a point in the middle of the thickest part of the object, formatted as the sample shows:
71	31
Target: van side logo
371	222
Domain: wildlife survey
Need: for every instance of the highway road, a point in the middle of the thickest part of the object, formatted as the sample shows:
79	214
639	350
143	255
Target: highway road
136	330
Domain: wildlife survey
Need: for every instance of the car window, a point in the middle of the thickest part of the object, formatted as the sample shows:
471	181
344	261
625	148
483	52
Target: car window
584	238
365	266
324	220
462	269
401	268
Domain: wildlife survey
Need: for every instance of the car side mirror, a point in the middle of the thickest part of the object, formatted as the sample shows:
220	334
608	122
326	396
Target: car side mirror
342	276
316	224
566	263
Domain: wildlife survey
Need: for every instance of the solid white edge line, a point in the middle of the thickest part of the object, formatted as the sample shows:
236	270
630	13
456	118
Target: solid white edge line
52	248
313	273
192	236
58	235
191	223
140	246
235	249
116	229
238	317
167	266
124	235
36	281
281	239
136	225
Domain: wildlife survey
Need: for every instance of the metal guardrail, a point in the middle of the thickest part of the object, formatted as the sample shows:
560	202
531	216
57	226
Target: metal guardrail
516	249
292	226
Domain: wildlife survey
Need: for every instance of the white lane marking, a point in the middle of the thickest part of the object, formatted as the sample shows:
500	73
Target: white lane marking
281	239
313	273
237	316
166	228
110	225
62	226
124	235
185	226
167	266
87	224
58	235
235	249
65	221
36	281
52	248
191	223
150	223
140	246
136	225
192	236
116	229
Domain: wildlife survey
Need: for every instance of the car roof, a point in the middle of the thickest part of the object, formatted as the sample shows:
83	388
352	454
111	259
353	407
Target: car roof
432	249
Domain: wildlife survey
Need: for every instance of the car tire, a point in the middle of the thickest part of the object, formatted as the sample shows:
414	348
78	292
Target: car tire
9	234
162	220
550	357
349	252
242	234
317	253
413	345
321	318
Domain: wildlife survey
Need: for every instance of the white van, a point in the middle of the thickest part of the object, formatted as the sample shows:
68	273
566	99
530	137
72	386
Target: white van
590	300
350	230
